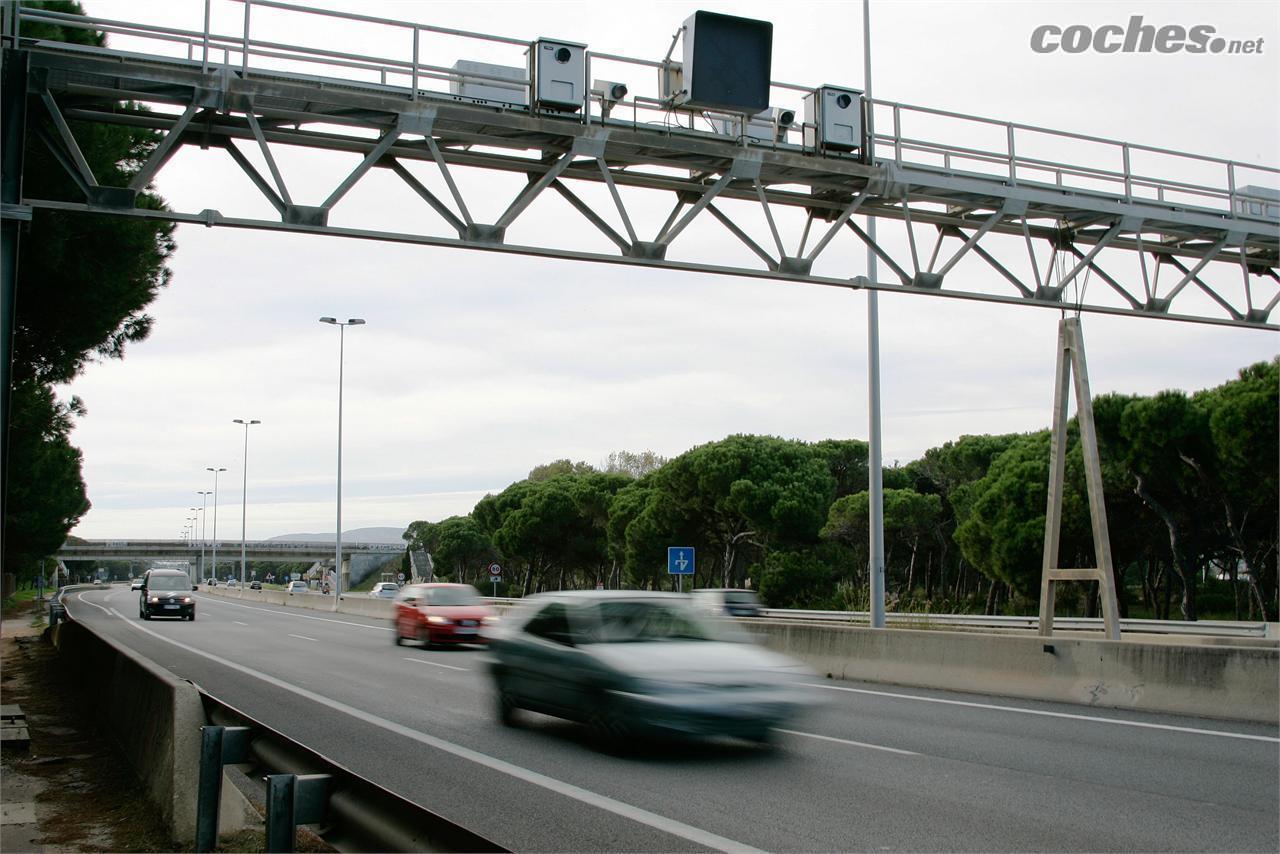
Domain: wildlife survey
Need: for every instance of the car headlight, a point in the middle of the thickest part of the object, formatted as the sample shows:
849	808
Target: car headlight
438	620
154	599
186	600
489	621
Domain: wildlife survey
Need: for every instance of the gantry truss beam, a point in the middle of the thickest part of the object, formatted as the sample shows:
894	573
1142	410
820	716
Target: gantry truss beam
1024	242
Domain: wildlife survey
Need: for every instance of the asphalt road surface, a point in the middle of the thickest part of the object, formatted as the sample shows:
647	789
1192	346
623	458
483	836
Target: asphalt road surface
875	768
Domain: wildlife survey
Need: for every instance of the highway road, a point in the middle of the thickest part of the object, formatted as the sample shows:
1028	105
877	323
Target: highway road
875	768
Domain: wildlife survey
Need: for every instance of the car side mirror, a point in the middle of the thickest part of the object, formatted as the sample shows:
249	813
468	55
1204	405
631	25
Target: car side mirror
195	587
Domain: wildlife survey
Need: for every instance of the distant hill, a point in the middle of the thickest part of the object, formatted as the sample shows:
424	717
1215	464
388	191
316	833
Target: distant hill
356	535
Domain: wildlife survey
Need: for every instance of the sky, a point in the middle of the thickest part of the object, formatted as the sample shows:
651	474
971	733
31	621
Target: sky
475	367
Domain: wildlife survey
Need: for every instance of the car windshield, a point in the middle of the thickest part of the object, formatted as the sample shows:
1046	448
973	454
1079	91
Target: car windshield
452	596
169	582
387	588
740	597
632	622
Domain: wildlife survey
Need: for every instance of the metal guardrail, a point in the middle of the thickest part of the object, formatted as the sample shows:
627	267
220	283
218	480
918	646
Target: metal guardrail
1206	628
348	811
1218	628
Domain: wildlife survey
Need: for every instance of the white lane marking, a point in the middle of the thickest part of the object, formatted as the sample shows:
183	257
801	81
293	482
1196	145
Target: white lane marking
437	664
299	616
80	597
628	811
238	623
850	743
304	637
1042	712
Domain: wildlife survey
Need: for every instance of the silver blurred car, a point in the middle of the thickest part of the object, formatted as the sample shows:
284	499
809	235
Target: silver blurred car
635	663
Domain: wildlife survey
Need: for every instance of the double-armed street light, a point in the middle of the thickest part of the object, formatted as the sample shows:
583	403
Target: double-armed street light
337	560
215	471
244	492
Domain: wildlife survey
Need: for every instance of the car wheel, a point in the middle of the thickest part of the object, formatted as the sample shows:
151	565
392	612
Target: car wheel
424	638
192	618
506	704
765	736
609	730
396	631
146	615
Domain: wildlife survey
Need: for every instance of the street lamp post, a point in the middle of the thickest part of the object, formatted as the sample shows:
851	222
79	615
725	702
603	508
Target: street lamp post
204	517
215	471
244	494
337	559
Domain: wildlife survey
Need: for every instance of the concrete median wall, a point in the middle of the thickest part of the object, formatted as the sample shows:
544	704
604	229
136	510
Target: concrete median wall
155	717
1241	683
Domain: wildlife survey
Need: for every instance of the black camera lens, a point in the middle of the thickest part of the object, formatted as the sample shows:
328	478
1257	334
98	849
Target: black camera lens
562	55
843	101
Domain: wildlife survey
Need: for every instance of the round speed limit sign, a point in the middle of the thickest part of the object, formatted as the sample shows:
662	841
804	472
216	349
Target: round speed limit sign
495	571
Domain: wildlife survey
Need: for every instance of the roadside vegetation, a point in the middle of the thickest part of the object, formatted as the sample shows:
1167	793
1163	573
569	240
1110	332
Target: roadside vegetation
84	282
1190	484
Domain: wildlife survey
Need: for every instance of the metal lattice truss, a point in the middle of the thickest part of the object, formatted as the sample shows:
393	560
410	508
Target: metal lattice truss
943	230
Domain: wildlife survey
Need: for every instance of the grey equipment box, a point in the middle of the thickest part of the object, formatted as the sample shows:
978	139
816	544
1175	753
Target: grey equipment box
559	73
833	119
482	88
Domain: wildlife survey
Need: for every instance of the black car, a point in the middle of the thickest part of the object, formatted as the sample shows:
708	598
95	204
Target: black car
255	585
166	593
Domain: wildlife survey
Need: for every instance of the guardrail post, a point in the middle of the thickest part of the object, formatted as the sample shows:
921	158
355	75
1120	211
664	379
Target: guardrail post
218	746
293	799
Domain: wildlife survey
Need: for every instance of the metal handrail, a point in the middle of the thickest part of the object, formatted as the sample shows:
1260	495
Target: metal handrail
415	70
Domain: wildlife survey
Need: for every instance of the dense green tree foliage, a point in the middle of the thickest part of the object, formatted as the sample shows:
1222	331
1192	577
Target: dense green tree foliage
83	284
1190	485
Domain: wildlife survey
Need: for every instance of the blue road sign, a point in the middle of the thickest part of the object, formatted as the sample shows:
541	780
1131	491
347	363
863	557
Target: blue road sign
680	560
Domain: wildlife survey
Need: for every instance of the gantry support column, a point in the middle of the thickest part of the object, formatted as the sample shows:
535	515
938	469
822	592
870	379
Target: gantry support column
1071	358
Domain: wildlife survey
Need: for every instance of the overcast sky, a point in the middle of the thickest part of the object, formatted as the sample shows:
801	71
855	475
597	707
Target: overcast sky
474	367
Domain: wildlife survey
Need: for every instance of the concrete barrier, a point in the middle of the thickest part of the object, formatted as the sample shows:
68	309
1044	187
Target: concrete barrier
154	716
354	603
1234	682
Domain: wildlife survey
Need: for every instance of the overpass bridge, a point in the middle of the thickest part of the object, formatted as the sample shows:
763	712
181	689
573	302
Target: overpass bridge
278	551
228	551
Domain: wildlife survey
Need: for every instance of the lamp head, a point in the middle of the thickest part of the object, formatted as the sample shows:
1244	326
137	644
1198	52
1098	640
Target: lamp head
328	320
355	321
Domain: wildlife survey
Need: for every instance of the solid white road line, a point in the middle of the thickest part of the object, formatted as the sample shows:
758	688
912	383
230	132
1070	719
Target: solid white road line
304	637
238	623
850	743
436	664
628	811
1042	712
80	597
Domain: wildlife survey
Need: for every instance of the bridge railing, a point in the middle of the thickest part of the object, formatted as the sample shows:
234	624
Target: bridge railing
1012	153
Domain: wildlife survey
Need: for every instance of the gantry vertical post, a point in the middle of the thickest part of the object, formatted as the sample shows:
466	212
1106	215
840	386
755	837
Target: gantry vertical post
13	134
1071	364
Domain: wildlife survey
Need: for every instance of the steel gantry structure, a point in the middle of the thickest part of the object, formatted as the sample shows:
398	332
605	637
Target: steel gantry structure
1026	219
242	94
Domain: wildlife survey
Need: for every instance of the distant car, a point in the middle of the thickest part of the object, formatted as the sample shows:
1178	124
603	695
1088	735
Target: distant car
385	590
231	582
97	581
166	593
136	584
296	587
212	582
630	663
255	585
441	613
727	601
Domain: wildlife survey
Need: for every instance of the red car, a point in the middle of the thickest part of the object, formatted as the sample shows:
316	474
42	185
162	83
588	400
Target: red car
441	613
